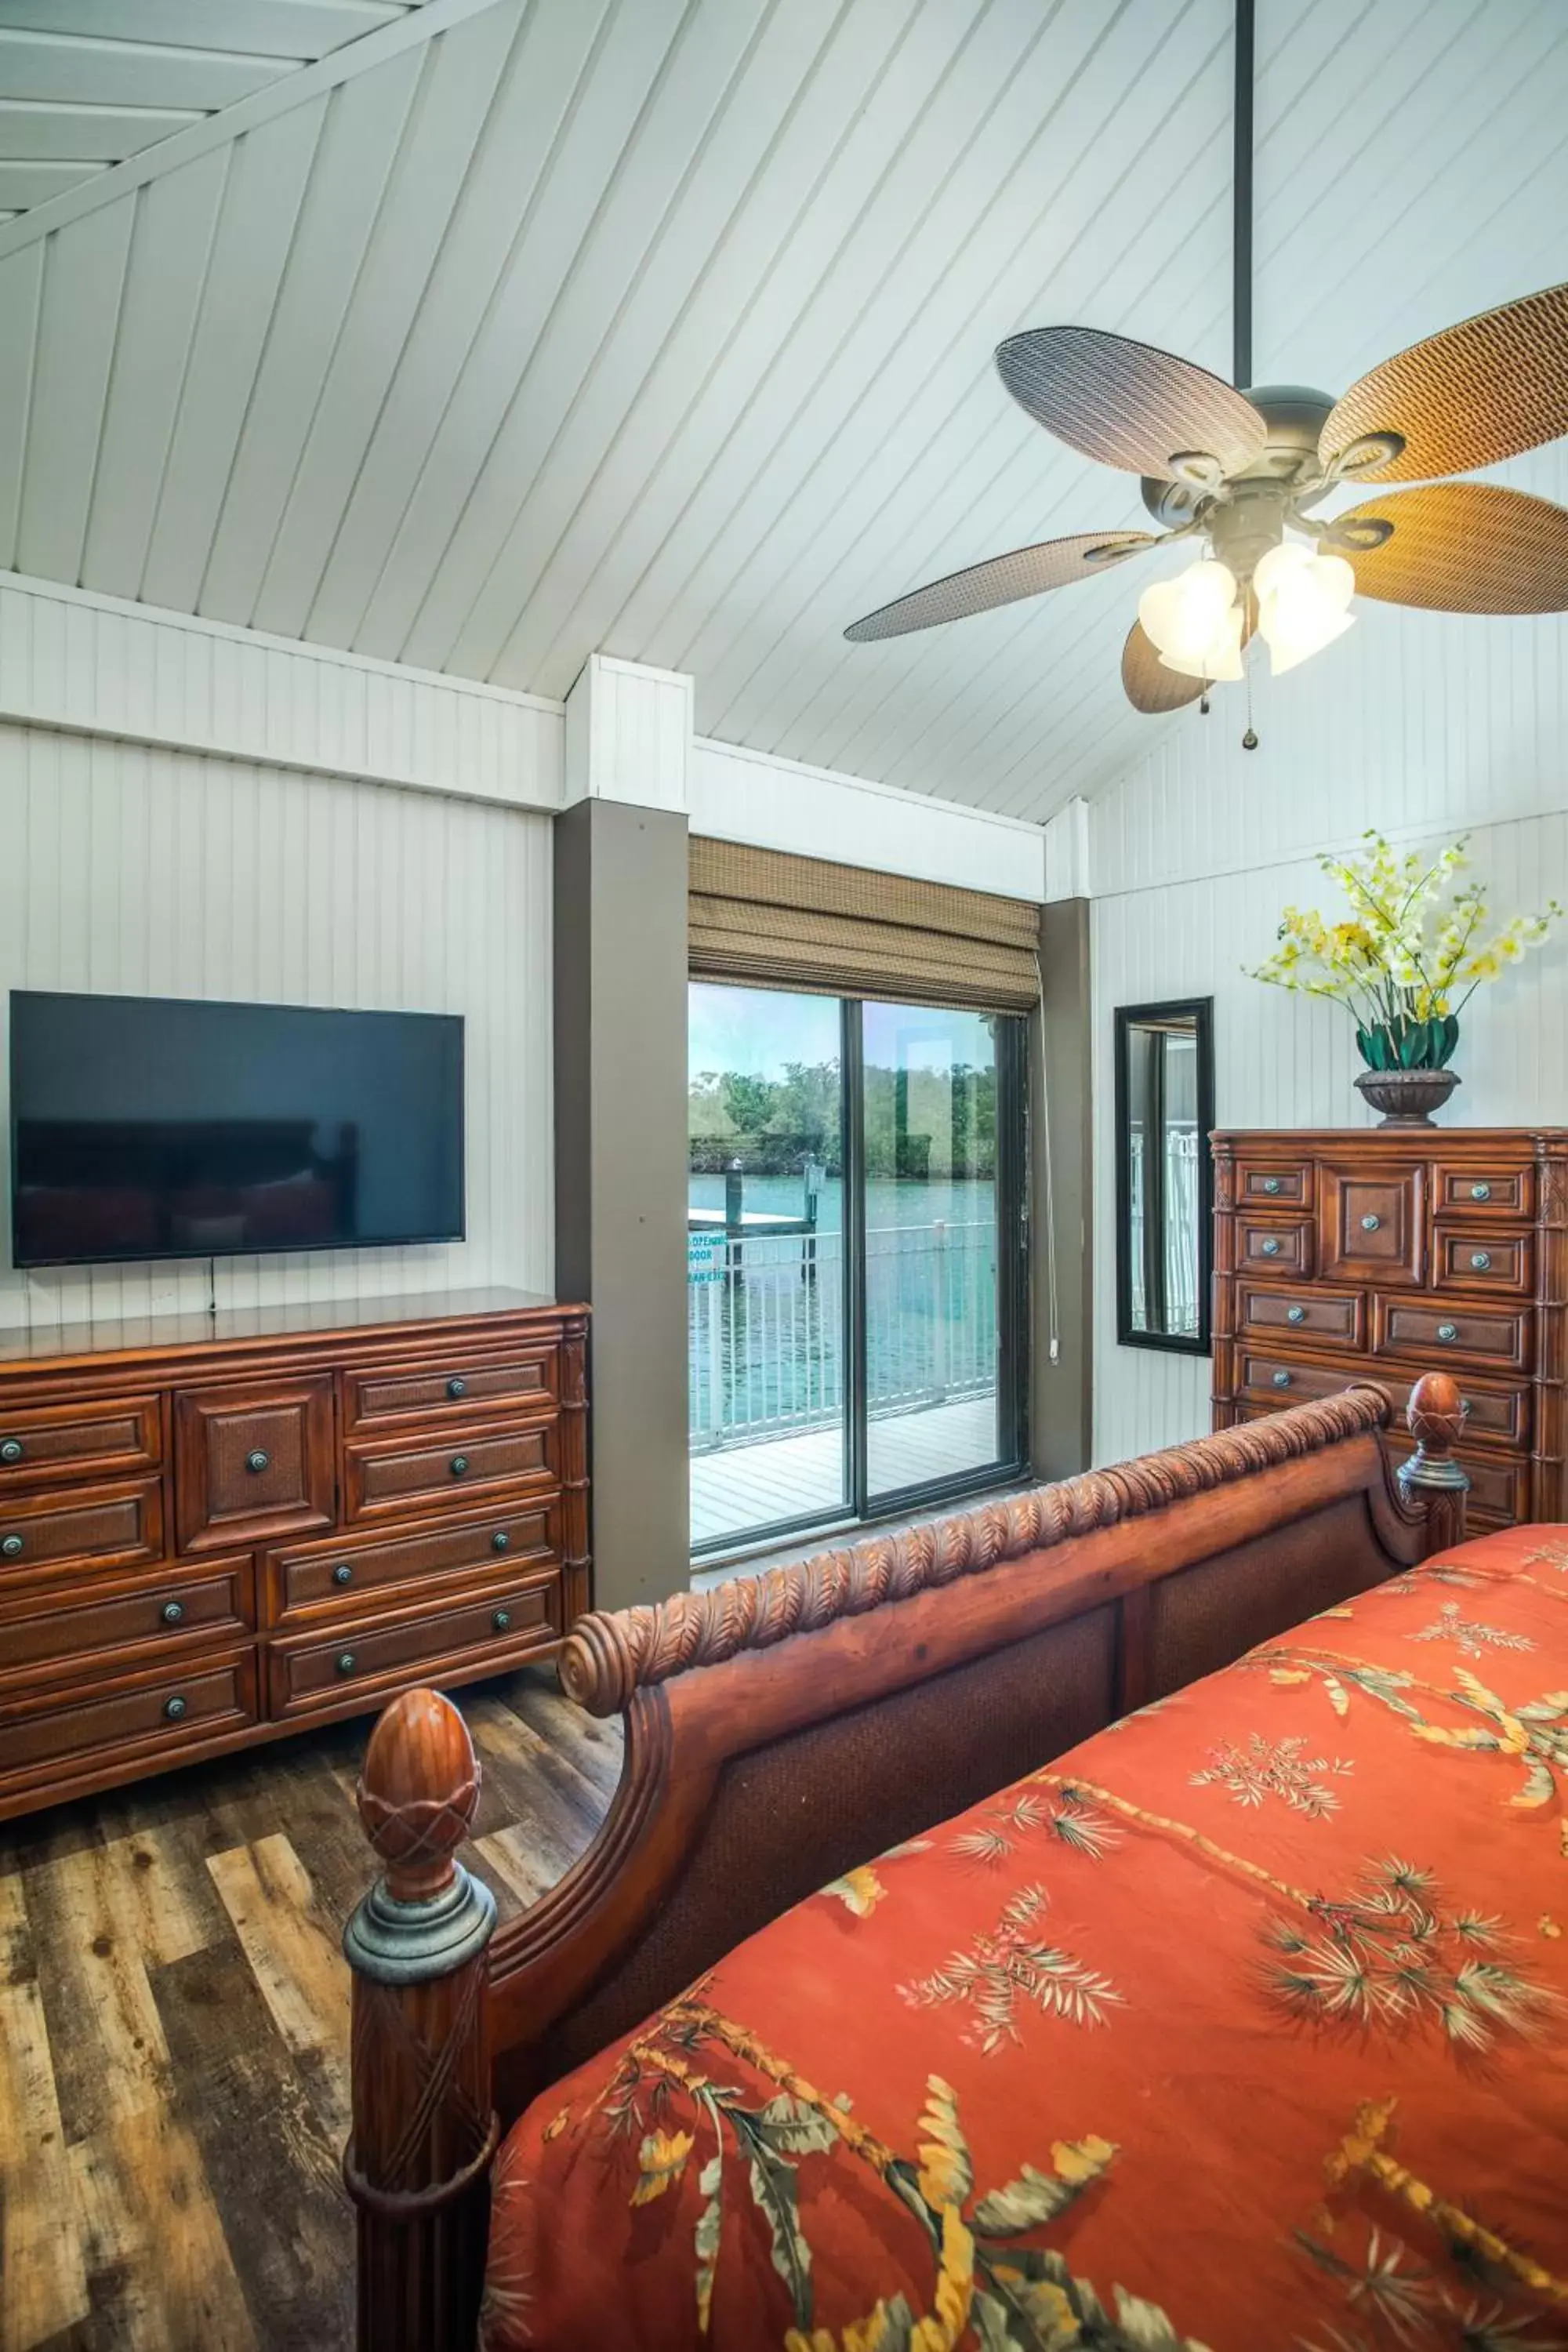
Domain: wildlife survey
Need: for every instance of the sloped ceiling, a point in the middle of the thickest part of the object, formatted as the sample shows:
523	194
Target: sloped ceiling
664	327
85	83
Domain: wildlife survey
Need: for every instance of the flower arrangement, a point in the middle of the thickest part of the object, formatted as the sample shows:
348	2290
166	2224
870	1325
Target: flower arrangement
1412	949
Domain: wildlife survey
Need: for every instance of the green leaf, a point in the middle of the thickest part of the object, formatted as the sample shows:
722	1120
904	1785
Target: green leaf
710	2181
796	2128
773	2193
1036	2198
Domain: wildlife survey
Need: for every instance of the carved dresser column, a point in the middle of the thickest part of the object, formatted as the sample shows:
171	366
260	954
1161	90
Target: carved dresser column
417	2166
575	1556
1432	1479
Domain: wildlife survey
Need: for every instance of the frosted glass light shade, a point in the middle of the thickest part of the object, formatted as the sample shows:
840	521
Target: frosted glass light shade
1194	622
1220	659
1302	602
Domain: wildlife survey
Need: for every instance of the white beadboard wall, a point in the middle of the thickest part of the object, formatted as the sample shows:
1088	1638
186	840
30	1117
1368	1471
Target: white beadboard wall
1420	724
132	868
776	803
102	666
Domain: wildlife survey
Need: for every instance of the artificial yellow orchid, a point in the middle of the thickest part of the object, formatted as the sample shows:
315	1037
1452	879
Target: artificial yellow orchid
1408	956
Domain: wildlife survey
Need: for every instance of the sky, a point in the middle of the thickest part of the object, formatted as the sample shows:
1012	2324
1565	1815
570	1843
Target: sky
758	1030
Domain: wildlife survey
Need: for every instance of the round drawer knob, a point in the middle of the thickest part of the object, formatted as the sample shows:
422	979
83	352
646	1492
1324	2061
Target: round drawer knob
1281	1379
12	1450
1480	1260
1270	1248
1271	1183
343	1574
1480	1192
457	1388
1447	1330
1464	1404
501	1540
502	1621
345	1661
459	1465
1295	1315
174	1707
1369	1223
256	1461
10	1546
172	1612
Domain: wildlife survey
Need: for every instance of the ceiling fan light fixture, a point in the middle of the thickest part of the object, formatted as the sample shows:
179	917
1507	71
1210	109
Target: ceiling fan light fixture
1194	620
1302	602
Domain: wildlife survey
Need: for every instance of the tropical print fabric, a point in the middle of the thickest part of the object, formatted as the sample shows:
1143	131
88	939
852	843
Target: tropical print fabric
1243	2026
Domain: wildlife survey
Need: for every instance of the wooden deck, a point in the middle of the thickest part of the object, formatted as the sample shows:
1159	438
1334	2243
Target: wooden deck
748	1486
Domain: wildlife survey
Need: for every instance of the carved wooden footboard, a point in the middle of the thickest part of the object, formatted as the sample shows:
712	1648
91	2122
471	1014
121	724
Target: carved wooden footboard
778	1731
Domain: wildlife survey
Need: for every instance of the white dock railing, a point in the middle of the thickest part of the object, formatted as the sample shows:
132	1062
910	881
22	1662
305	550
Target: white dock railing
766	1326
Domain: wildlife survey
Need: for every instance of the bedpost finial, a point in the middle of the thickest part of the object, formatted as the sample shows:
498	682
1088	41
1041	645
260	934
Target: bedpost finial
1436	1413
418	1793
1432	1479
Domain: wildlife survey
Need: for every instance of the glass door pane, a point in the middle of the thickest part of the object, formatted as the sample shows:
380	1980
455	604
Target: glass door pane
933	1292
765	1288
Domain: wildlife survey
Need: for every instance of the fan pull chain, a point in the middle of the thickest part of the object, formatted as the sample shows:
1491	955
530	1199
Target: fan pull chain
1250	741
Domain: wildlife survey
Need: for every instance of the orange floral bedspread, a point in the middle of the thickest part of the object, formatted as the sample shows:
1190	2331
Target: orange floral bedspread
1243	2026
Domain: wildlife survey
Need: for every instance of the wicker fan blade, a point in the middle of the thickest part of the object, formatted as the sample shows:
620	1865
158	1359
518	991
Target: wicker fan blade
1002	579
1131	405
1458	547
1470	397
1151	686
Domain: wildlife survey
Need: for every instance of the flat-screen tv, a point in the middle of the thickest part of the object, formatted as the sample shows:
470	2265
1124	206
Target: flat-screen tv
159	1127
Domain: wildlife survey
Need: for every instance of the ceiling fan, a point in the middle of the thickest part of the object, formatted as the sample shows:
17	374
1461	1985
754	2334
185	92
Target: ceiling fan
1239	473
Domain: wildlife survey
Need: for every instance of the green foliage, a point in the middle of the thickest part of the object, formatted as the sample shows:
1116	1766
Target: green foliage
919	1123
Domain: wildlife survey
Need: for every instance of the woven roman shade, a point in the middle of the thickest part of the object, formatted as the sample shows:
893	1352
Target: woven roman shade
772	920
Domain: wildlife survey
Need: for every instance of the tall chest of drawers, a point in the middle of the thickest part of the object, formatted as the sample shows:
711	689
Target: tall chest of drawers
1374	1254
213	1531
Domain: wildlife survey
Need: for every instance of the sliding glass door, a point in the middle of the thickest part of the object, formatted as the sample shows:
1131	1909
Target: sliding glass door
854	1260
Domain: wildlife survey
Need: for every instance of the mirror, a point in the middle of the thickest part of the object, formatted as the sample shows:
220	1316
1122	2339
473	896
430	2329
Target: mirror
1165	1110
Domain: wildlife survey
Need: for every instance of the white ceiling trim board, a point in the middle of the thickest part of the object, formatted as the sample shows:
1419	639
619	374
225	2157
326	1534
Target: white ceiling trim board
276	97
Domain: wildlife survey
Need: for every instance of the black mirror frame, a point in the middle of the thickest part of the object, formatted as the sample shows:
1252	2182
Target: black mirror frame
1128	1016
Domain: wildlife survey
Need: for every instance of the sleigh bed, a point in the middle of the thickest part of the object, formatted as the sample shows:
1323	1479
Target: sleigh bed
955	1966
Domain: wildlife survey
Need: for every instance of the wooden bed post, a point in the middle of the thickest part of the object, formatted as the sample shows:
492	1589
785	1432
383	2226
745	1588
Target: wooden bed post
1432	1479
417	2166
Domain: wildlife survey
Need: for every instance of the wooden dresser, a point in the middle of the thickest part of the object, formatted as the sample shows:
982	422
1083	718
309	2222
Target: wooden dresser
212	1531
1373	1254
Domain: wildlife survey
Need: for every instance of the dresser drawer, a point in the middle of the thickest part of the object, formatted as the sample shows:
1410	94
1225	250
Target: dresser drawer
1274	1184
78	1441
301	1581
54	1632
1274	1245
164	1708
1484	1261
1499	1487
119	1526
1269	1379
383	1478
1432	1334
524	1379
1325	1319
253	1460
1485	1191
306	1673
1370	1223
1496	1411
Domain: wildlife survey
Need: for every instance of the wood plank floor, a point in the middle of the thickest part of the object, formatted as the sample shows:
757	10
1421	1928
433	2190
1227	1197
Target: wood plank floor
173	2028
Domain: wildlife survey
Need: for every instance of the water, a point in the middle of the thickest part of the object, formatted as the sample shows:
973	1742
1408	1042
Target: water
766	1349
890	1200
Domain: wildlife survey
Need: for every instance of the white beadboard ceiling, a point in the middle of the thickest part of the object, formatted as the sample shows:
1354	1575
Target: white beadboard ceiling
519	329
85	83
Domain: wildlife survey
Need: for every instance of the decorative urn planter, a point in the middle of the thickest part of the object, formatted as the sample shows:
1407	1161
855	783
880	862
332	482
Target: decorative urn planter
1406	1097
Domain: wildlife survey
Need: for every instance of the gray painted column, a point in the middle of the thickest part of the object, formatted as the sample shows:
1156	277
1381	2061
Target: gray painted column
620	1113
1062	1394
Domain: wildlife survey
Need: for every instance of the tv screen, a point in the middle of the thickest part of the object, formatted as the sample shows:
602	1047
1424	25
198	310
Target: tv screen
155	1127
